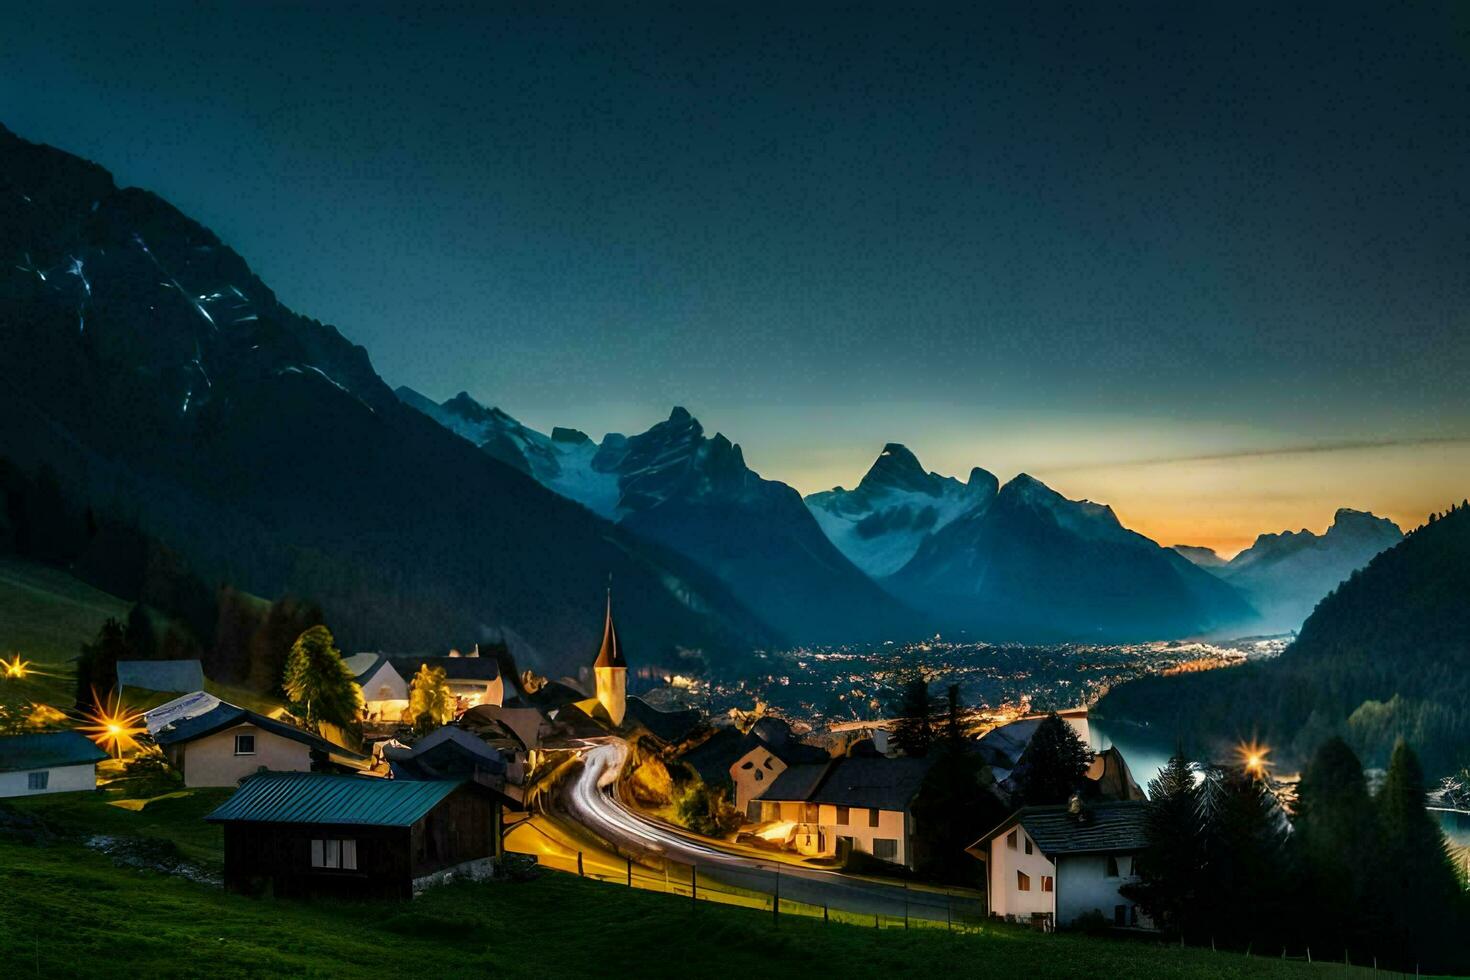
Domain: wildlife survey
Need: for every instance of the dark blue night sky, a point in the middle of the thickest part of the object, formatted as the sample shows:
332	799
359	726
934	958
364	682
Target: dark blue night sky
1059	238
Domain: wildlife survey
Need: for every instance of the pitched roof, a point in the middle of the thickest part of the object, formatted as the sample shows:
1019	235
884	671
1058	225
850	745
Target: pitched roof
1106	828
42	751
671	726
319	798
796	782
877	782
880	783
183	706
227	715
364	665
610	654
161	675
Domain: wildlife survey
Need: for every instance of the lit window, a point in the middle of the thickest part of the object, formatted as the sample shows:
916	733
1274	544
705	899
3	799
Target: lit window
1023	881
1011	840
244	744
1112	871
38	780
1046	883
885	848
842	816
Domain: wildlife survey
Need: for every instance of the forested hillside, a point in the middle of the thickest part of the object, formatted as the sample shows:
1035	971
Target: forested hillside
1386	654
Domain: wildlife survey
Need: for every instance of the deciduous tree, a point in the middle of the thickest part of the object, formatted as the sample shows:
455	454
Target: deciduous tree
319	683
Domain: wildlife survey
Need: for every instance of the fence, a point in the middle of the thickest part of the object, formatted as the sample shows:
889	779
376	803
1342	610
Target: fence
834	899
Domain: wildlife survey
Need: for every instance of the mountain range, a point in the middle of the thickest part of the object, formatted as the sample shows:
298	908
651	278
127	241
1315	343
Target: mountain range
695	494
163	383
1285	575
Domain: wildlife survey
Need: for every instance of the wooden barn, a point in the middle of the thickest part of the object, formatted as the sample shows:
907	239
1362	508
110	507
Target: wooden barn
297	834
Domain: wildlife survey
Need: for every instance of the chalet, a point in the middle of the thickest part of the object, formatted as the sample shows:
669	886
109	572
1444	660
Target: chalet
768	755
310	834
224	744
856	803
386	680
384	690
1052	865
51	762
175	676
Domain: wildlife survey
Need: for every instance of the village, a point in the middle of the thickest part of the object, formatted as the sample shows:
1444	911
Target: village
463	765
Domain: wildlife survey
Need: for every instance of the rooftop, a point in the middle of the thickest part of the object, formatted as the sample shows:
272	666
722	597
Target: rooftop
226	715
161	675
42	751
1104	828
319	798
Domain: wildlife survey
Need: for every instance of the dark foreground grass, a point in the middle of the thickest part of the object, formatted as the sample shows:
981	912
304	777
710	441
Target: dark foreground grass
69	911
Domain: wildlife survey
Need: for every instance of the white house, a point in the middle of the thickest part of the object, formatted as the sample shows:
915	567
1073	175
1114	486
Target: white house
1055	864
473	680
52	762
760	765
225	744
384	689
858	801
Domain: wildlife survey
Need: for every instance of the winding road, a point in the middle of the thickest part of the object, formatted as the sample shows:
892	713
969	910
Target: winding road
586	796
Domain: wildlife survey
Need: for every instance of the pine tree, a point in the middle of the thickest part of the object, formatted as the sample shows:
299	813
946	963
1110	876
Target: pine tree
954	806
319	683
97	664
1054	764
430	703
1242	896
1169	869
913	727
1421	891
1337	842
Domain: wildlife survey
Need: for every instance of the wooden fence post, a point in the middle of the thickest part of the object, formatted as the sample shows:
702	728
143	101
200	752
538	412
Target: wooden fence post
630	872
580	872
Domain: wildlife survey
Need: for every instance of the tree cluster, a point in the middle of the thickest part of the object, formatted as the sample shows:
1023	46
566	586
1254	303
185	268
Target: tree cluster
1352	876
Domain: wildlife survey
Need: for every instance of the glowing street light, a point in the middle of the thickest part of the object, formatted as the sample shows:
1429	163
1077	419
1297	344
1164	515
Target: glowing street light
113	725
1254	757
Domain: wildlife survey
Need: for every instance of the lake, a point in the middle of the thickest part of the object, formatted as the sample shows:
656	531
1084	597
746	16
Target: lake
1147	754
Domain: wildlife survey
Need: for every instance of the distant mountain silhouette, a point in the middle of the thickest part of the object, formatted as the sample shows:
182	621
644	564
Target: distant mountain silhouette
1286	574
1386	654
164	382
694	494
1033	564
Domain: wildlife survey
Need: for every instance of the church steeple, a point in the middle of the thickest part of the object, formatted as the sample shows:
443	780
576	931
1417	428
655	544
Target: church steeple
611	670
611	653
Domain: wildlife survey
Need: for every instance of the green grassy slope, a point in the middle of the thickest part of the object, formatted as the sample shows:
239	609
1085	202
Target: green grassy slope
72	911
45	616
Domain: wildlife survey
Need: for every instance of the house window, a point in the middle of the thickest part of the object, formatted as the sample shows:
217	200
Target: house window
1028	845
1048	883
1011	840
759	775
334	854
1023	881
1132	866
885	848
873	817
748	765
753	811
244	744
38	780
842	816
1112	871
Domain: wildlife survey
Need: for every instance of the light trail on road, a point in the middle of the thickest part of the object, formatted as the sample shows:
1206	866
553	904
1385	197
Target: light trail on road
588	797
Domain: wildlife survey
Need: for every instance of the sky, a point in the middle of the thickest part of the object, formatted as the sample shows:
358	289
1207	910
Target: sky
1207	263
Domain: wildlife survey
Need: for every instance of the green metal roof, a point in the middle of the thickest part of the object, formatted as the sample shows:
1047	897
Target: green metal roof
308	797
42	751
